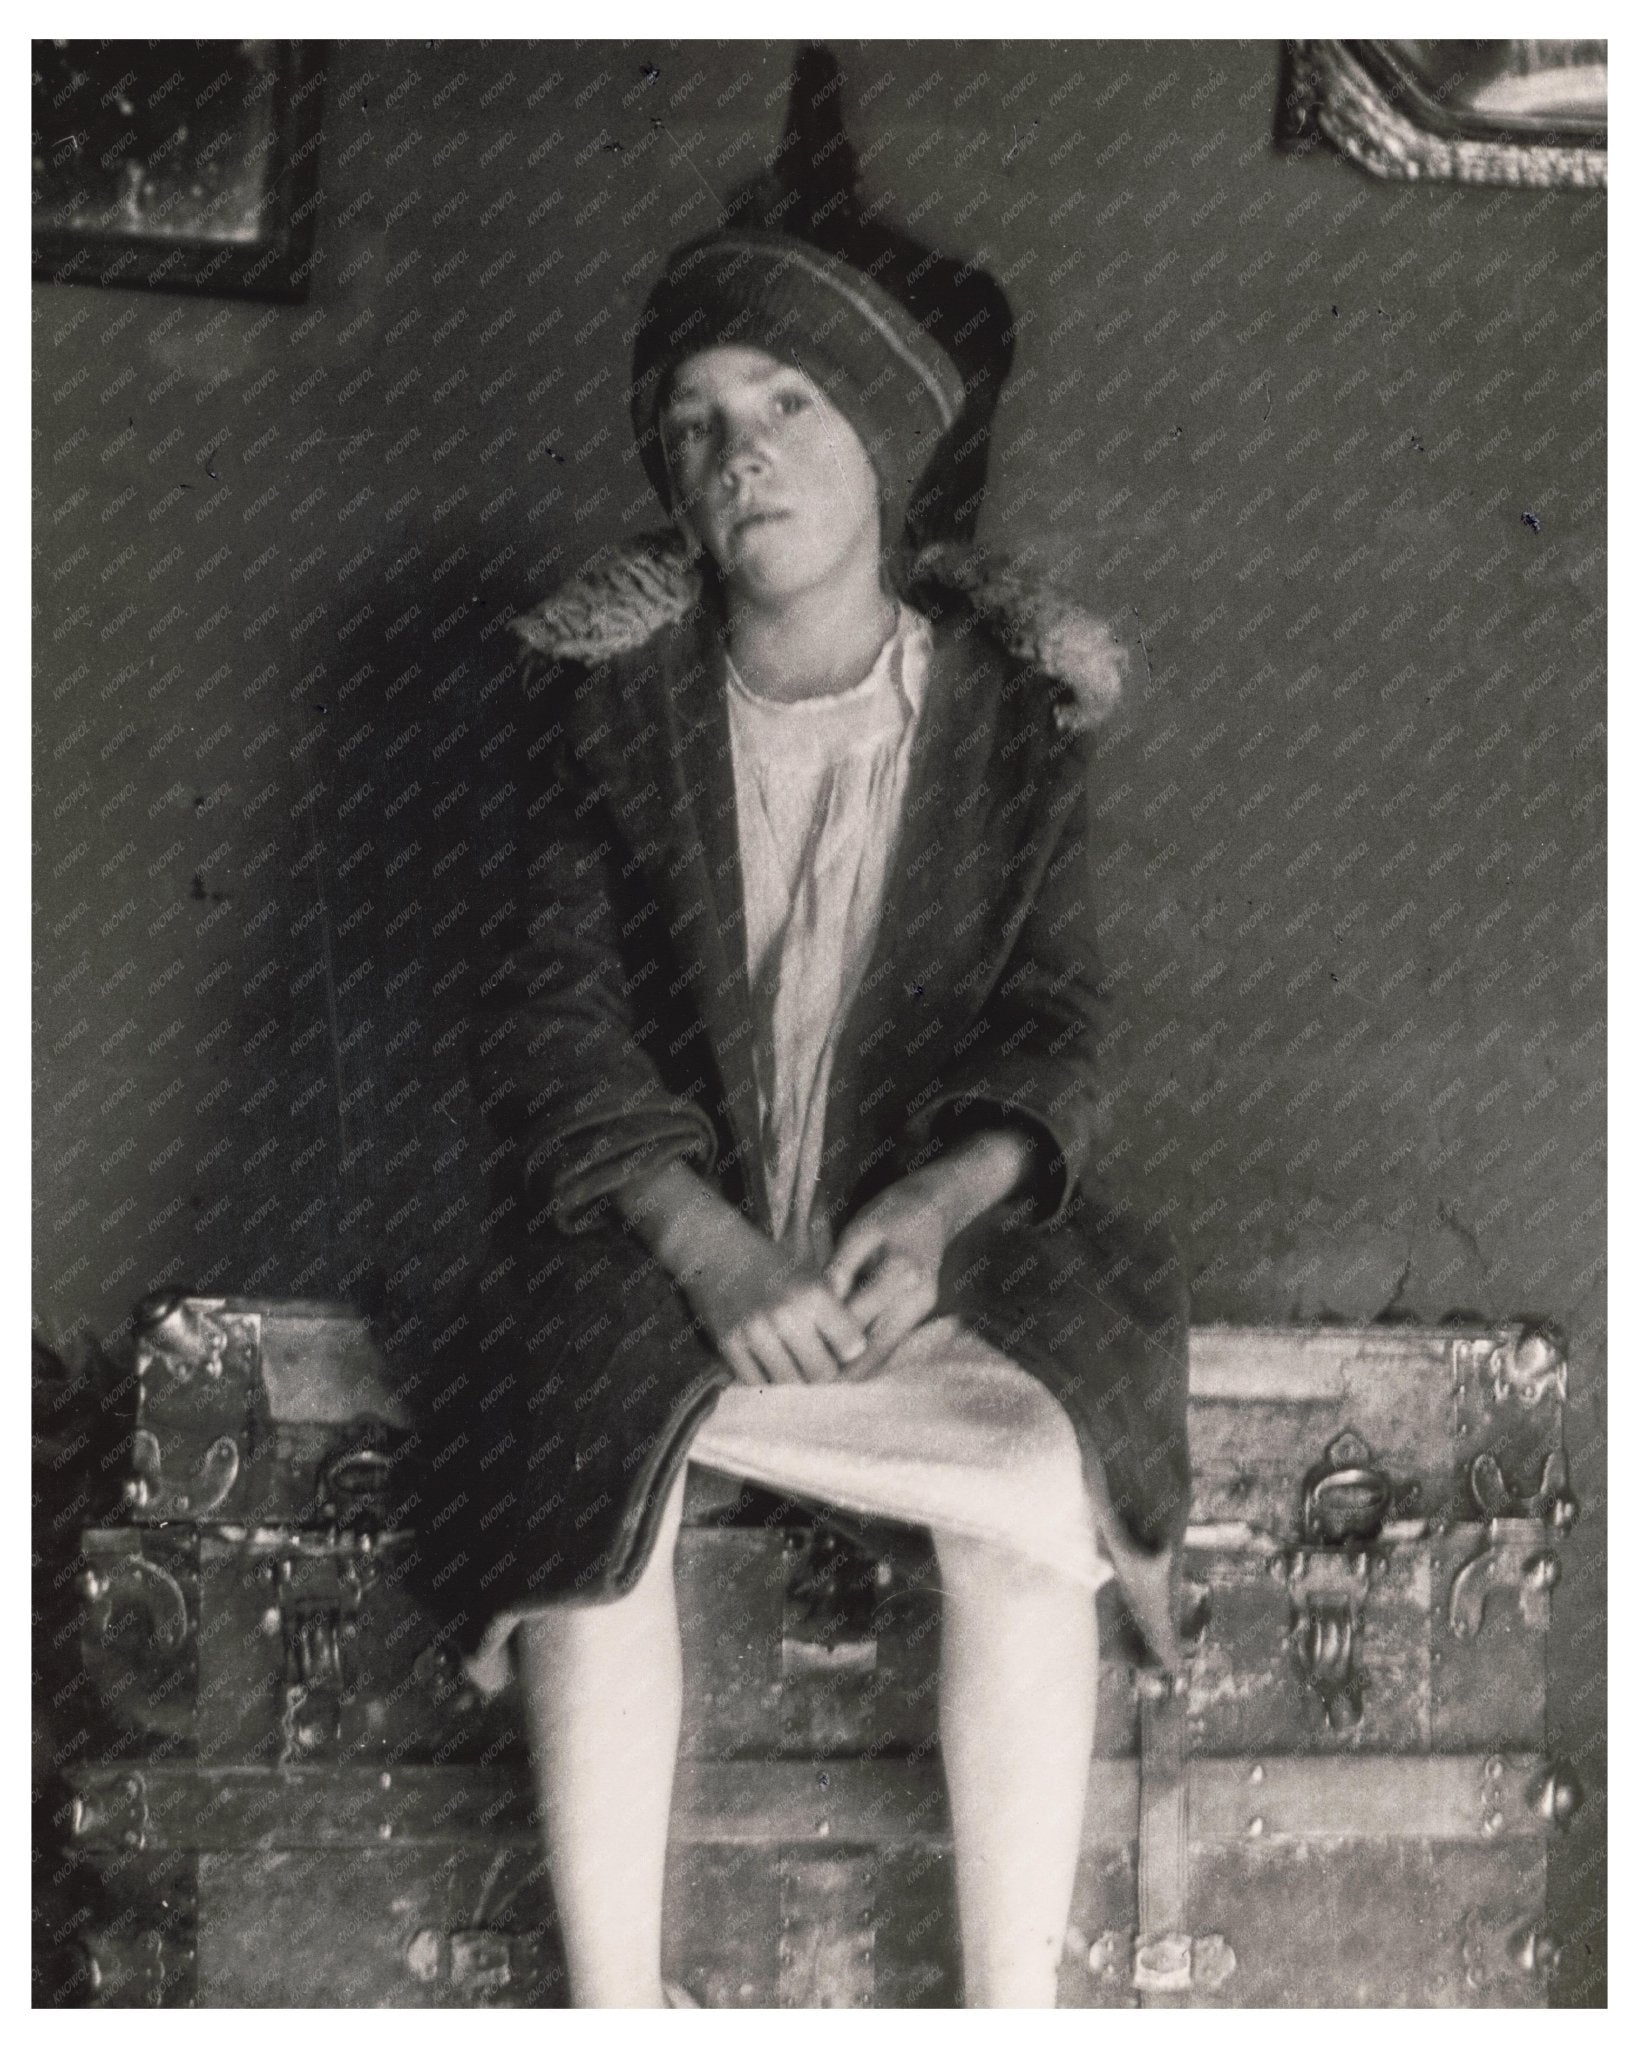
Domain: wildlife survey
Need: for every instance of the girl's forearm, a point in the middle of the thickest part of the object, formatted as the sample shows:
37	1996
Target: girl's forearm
680	1218
675	1213
976	1174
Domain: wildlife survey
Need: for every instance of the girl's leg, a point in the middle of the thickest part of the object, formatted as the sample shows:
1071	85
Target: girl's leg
1018	1700
603	1694
956	1436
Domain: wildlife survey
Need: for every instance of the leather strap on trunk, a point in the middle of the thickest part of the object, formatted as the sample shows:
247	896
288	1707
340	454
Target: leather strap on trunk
1163	1820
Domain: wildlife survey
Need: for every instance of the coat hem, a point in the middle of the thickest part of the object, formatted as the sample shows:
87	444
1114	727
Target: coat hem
490	1667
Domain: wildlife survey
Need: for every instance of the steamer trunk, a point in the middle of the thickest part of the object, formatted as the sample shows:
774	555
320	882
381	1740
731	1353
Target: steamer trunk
1348	1803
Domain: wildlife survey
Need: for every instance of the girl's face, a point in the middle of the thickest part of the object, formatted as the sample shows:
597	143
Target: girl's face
767	475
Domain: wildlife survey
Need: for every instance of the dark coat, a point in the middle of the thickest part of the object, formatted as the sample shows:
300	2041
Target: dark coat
617	1035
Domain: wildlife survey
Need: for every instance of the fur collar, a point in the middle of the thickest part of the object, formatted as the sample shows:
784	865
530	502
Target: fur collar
633	591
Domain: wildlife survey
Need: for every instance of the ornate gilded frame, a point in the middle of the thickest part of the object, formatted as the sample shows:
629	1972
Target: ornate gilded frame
1369	103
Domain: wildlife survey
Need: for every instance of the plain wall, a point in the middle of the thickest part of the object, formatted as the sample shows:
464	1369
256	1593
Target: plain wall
1330	450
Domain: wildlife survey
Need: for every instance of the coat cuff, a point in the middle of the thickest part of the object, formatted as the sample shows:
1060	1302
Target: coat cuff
1057	1154
581	1166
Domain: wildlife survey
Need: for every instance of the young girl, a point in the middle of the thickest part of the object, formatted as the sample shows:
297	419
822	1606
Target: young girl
795	1068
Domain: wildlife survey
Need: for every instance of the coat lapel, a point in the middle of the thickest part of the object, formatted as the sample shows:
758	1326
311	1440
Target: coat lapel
699	877
944	809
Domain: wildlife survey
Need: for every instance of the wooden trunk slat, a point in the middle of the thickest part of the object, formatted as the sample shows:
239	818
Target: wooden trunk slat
827	1929
407	1927
721	1928
835	1801
1367	1923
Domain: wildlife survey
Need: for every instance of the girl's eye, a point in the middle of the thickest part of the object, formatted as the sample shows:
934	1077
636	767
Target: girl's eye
793	401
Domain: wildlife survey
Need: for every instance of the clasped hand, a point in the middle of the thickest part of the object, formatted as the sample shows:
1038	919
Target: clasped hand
776	1318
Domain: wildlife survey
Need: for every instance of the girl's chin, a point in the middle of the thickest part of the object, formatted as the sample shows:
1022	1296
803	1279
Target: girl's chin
768	577
763	549
769	572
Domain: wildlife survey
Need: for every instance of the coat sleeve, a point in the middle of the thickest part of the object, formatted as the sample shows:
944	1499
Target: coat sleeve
1028	1061
559	1062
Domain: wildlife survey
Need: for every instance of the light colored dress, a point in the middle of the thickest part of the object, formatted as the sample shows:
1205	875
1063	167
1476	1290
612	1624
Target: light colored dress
949	1433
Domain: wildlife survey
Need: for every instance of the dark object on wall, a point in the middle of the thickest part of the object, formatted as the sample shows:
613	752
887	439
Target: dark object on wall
286	1793
178	166
1479	113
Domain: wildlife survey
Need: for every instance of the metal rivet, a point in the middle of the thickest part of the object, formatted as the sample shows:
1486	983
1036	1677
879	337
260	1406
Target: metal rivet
1255	1776
385	1830
822	1827
1492	1824
385	1781
1493	1767
1557	1794
1542	1572
1255	1825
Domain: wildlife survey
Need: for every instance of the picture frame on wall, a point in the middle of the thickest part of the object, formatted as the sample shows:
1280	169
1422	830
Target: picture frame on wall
177	166
1474	112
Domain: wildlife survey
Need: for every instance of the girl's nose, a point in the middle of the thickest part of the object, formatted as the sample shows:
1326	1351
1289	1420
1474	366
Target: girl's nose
742	446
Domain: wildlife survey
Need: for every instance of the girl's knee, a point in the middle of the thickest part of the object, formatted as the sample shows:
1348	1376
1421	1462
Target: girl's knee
1041	1448
994	1570
1036	1483
550	1631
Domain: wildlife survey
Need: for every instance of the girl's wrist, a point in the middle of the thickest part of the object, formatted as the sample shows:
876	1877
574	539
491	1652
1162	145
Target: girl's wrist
975	1174
672	1210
